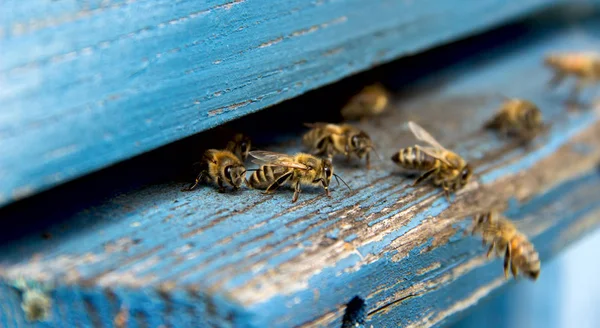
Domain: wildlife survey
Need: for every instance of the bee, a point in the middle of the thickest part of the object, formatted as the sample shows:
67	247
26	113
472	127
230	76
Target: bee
517	118
372	100
330	139
446	168
239	145
221	167
503	236
584	66
36	302
279	169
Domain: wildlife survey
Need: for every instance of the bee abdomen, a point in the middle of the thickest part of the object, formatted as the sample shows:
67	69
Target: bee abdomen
263	177
413	158
526	257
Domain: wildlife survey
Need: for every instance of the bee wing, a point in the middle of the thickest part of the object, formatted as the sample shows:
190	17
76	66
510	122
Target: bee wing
263	156
433	152
315	125
423	135
275	159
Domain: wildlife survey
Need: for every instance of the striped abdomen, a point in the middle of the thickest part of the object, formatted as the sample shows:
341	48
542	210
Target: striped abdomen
413	158
265	175
524	256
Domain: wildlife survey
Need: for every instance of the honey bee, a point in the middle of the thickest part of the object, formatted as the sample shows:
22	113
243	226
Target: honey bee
446	168
372	100
518	118
220	167
330	139
584	66
35	298
503	236
301	169
239	145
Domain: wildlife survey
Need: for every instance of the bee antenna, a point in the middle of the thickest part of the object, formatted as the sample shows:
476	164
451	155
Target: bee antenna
250	170
376	153
337	179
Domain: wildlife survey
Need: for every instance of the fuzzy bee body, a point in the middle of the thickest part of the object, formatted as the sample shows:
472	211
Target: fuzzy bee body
445	168
504	238
330	139
371	101
239	145
518	118
584	66
413	158
279	169
220	167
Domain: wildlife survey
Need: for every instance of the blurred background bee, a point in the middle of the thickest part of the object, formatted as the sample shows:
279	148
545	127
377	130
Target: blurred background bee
330	139
279	169
583	66
517	118
371	101
447	169
220	167
239	145
503	236
36	302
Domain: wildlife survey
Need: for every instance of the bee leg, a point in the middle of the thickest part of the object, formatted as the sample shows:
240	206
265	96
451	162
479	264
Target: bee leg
221	186
347	153
368	161
489	252
277	183
556	79
513	269
579	86
506	261
296	192
326	188
198	179
447	194
423	177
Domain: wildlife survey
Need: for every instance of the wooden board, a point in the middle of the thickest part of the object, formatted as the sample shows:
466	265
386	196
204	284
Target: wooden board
85	84
156	255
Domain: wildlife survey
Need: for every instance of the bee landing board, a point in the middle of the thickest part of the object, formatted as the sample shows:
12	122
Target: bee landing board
157	256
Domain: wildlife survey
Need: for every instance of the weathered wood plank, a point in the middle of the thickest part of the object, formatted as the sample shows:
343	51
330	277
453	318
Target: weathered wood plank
86	84
249	260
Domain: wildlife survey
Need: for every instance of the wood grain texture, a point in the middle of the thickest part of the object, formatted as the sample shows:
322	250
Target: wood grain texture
159	256
85	84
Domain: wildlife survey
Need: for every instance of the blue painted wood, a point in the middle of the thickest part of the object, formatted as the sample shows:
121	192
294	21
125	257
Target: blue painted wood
85	84
156	255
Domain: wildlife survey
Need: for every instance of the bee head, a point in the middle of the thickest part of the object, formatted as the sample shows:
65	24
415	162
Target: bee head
243	145
327	171
361	143
234	175
465	175
533	118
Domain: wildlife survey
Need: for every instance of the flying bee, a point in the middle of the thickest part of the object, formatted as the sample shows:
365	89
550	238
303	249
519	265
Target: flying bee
220	167
503	236
372	100
583	66
517	118
239	145
446	168
301	169
330	139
